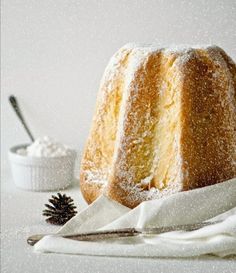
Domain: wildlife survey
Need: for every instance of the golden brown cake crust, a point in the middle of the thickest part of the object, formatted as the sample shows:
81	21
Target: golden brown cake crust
165	121
209	123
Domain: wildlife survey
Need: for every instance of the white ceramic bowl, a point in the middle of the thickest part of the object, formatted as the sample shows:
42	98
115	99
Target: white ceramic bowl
41	173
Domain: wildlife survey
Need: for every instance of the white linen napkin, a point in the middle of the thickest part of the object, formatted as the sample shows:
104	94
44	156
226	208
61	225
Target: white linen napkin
216	202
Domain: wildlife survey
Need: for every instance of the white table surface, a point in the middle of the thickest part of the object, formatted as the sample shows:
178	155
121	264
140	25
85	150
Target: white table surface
21	216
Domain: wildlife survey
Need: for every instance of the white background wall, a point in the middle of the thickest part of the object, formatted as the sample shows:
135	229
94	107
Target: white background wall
54	53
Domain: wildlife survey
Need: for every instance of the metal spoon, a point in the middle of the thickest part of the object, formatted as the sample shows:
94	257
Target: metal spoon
15	106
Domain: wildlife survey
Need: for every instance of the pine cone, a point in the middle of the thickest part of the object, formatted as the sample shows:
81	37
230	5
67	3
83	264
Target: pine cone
60	210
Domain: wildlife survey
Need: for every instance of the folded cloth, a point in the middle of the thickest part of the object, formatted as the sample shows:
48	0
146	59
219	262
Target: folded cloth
212	203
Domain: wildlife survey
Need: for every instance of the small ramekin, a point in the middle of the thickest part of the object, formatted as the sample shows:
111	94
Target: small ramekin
41	173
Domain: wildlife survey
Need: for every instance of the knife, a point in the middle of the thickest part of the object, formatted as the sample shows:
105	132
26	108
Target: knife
119	233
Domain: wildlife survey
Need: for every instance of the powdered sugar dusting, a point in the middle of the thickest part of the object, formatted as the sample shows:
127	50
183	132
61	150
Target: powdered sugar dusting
138	194
97	177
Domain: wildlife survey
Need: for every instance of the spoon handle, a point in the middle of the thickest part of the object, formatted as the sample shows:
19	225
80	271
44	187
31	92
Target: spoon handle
15	106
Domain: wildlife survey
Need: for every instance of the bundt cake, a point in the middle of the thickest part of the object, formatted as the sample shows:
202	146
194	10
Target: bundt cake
165	122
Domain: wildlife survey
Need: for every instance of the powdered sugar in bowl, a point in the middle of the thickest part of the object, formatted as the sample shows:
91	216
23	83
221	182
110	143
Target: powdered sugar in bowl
45	165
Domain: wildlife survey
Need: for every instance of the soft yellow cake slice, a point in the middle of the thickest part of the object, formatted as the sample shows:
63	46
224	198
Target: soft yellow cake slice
165	121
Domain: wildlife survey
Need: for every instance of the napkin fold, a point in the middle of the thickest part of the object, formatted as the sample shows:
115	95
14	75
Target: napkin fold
212	203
